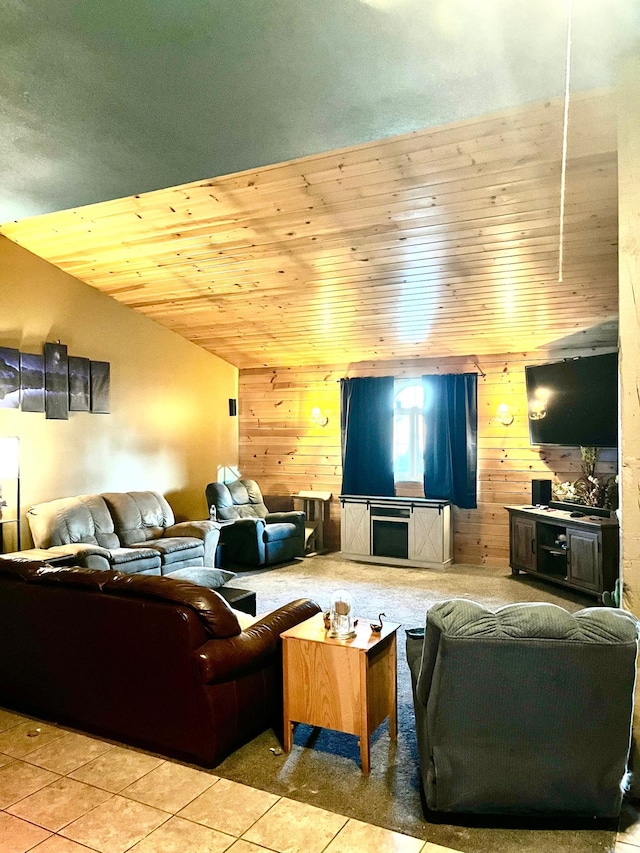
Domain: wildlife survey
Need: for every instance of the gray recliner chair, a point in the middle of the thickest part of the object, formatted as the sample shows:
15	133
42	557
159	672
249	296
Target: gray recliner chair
526	710
256	537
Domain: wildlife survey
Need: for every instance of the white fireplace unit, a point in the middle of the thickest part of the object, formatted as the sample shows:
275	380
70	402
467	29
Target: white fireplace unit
396	531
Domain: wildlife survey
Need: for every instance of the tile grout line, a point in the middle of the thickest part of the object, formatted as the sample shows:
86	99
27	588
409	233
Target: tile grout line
331	840
169	814
175	814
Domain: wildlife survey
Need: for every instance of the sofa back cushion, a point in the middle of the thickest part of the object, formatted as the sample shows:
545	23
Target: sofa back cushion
139	516
240	499
216	615
70	521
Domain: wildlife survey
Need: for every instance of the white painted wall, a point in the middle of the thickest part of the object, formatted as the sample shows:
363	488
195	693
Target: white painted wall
169	427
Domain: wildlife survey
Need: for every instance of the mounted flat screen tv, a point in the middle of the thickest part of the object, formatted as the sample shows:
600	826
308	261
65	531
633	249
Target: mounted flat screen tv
574	402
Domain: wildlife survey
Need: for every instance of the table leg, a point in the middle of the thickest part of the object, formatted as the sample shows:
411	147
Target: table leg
288	735
288	725
392	661
365	754
365	751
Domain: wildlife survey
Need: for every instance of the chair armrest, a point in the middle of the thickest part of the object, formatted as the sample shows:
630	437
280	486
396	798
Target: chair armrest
244	541
293	516
88	556
208	531
245	523
223	659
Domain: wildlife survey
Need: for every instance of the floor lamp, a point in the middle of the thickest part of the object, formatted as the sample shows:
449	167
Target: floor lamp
9	486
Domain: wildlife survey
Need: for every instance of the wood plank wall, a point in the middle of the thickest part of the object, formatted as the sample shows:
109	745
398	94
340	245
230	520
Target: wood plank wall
284	451
629	296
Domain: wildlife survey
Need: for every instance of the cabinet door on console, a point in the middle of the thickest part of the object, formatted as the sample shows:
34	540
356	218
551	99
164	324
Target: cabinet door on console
426	537
585	564
523	543
356	528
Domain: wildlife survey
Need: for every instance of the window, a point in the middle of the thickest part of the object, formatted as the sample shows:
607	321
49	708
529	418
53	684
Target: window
408	431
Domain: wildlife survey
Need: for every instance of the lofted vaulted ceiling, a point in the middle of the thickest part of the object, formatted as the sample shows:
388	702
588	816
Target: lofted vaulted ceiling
444	241
441	240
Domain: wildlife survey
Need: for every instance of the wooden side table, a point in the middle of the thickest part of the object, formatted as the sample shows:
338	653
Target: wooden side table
347	685
313	504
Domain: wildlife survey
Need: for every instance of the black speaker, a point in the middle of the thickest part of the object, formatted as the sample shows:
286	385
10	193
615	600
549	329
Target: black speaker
233	407
540	492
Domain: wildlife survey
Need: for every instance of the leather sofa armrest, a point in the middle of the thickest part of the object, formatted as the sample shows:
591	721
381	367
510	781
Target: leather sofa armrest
293	516
221	660
208	531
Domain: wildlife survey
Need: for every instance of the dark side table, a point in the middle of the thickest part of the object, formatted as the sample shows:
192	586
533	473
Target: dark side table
239	599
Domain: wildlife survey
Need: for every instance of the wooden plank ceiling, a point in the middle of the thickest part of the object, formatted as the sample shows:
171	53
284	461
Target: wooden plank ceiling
441	242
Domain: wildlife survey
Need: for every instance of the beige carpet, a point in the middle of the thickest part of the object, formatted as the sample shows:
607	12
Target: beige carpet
323	768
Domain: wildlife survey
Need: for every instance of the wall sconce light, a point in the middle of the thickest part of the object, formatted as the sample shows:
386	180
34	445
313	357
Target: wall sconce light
504	415
318	418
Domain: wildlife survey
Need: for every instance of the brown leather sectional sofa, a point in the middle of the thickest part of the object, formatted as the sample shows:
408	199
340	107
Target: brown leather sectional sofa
144	659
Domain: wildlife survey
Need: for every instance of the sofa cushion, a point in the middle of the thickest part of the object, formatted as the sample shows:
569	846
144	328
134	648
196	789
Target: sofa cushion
174	549
130	560
139	516
281	530
214	612
69	521
203	576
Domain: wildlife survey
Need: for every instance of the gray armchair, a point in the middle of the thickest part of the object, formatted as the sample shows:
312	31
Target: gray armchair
256	537
524	711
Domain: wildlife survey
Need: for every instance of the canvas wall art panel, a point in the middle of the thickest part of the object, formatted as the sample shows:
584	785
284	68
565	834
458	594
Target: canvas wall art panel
31	382
56	381
79	389
100	387
9	378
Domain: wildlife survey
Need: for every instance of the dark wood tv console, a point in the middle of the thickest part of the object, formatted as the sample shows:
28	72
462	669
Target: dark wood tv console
586	559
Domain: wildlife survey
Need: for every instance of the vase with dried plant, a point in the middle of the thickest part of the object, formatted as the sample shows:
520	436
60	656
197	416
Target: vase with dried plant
589	490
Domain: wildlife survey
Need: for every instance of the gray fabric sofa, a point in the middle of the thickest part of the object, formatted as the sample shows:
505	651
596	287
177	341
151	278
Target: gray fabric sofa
526	710
251	536
133	532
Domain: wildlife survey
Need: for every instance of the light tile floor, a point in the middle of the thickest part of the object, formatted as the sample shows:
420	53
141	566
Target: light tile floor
63	792
628	840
